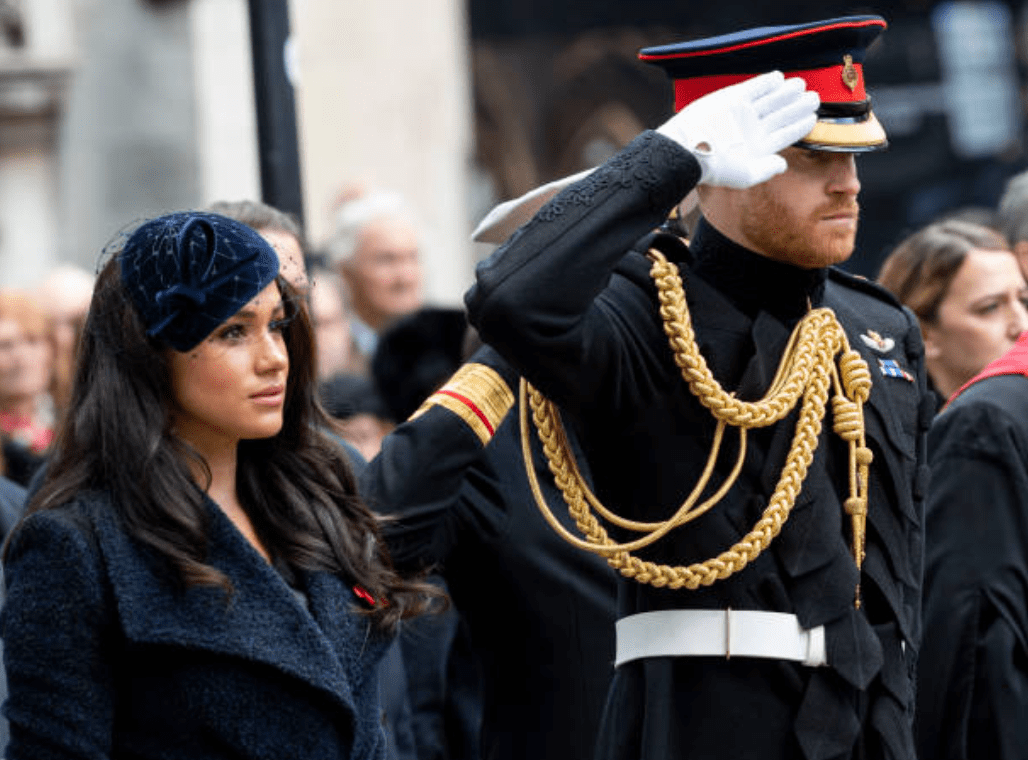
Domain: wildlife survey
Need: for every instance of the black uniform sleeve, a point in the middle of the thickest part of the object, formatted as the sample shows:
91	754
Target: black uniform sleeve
536	299
415	480
973	667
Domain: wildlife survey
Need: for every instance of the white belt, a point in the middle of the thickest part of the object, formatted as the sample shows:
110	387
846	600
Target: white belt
719	633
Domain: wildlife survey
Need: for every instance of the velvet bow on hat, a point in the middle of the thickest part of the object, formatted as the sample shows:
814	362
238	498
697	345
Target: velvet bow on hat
188	272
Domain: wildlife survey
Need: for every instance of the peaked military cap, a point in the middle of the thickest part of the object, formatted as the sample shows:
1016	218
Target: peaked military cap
828	55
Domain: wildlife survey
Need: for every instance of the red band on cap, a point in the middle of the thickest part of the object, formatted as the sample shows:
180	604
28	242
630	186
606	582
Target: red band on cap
470	405
826	82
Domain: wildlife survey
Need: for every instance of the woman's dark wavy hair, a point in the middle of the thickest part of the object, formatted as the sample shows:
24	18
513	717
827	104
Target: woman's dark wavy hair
296	487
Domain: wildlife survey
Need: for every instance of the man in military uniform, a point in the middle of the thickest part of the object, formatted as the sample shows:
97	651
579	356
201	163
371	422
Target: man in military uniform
771	609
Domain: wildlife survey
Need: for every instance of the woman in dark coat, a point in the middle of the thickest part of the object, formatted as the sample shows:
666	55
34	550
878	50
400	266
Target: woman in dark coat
196	578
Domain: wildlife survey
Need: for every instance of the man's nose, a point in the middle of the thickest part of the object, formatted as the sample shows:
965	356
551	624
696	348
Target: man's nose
844	178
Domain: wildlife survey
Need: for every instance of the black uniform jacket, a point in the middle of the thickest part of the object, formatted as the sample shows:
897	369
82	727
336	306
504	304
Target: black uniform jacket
540	613
973	672
105	657
590	338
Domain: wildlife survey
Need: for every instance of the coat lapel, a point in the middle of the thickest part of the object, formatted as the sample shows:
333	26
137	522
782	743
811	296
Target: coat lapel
263	621
359	645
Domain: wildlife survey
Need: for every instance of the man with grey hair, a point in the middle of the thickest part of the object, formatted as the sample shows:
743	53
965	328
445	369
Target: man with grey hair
375	248
1013	217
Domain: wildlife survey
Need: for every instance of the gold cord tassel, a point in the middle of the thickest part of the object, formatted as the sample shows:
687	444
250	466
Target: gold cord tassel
806	374
848	414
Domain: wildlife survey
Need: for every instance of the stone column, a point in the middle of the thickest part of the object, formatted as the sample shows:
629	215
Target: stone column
36	57
129	137
225	115
383	100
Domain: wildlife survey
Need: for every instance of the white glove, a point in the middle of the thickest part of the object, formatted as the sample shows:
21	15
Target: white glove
736	132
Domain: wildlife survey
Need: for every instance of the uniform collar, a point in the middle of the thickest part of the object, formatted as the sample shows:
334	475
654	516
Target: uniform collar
754	283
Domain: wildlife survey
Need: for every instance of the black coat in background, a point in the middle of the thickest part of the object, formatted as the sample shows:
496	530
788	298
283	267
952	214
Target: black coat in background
12	504
540	613
550	301
106	657
973	673
20	462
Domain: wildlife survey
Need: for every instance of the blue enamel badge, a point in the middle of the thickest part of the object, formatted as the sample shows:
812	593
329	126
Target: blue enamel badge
891	368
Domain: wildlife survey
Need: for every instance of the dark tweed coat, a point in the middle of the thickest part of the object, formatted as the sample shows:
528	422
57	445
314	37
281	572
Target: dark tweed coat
105	658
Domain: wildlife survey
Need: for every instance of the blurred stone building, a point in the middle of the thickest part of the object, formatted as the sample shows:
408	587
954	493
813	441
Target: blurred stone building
36	62
114	110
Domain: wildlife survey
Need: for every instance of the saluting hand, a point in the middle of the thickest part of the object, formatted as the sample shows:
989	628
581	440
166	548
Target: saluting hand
736	132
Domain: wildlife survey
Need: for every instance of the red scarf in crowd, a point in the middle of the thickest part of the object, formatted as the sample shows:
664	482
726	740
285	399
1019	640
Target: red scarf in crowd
26	431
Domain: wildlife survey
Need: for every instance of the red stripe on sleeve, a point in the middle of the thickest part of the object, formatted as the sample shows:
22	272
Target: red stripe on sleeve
470	405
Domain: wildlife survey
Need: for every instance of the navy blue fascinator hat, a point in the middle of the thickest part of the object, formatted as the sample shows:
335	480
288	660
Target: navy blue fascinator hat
188	272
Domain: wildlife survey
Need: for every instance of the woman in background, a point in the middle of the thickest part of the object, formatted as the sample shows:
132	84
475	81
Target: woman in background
64	295
196	577
963	282
27	413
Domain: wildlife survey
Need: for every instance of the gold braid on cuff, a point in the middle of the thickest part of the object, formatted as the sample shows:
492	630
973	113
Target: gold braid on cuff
478	395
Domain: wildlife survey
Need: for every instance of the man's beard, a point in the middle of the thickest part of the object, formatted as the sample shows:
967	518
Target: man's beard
774	230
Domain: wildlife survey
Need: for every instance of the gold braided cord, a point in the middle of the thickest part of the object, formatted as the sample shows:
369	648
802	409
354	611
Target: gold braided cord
806	374
570	481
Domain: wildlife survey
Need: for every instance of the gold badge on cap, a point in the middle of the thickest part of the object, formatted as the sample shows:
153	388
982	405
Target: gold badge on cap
850	75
